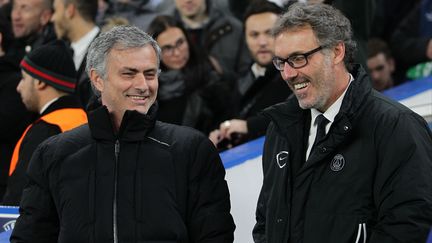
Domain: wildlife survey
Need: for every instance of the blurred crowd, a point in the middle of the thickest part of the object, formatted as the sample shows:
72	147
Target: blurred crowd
217	70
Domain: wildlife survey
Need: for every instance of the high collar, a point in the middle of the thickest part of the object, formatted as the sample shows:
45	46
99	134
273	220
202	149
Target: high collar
289	113
134	125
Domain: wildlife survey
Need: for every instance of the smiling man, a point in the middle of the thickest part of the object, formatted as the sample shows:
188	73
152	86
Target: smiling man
341	162
125	177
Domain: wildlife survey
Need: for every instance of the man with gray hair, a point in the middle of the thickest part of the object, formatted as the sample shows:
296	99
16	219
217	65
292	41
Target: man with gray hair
125	177
342	163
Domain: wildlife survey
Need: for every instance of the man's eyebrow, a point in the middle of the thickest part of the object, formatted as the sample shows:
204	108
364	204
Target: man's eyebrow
150	70
131	69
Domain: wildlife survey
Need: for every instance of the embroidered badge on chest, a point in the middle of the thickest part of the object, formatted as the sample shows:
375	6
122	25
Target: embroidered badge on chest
282	158
337	163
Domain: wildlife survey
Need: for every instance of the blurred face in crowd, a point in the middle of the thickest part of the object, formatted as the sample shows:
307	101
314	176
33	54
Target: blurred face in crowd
29	17
258	37
313	84
131	81
191	8
3	2
26	88
60	19
381	69
175	48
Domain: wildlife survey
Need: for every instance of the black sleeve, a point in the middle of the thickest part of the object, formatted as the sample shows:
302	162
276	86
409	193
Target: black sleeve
403	185
257	125
38	221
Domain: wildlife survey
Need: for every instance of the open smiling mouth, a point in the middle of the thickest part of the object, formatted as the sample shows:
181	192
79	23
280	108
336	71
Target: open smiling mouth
301	85
137	97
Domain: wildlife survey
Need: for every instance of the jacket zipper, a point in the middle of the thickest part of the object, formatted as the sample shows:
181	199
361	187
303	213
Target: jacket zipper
361	228
117	152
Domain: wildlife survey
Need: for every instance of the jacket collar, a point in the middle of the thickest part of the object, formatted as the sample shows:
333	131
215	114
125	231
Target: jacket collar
67	101
134	126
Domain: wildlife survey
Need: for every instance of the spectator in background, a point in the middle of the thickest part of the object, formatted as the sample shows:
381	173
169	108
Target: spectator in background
48	80
3	2
381	64
261	87
125	177
74	21
14	117
412	40
191	91
31	26
213	31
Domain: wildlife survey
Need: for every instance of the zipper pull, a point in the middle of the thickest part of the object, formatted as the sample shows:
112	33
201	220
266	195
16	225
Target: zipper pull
117	148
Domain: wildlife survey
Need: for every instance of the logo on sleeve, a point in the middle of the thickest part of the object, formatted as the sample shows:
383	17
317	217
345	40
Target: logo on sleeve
282	158
337	163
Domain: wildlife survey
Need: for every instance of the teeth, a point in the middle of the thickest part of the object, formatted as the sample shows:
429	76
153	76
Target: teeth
136	97
300	86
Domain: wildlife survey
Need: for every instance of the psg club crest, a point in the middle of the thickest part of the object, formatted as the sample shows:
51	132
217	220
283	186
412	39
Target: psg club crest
337	163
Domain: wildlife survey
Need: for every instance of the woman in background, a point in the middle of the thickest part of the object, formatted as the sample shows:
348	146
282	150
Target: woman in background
192	90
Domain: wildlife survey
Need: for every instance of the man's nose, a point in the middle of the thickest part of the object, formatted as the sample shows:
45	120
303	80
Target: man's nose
289	72
141	82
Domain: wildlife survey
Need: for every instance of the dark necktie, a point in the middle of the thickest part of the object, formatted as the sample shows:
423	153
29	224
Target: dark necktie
321	122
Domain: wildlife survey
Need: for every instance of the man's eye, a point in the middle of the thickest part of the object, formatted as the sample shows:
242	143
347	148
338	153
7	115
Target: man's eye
150	76
253	34
297	59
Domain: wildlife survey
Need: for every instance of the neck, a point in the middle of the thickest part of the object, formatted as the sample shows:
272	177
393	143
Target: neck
342	80
48	96
84	27
195	21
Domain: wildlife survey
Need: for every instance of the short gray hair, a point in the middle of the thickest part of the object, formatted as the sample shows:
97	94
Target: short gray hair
329	25
120	38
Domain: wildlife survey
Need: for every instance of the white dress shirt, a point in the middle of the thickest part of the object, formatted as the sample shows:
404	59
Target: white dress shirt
80	47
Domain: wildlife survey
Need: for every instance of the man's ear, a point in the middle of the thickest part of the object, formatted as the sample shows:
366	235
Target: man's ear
39	85
46	17
392	64
96	80
339	53
70	10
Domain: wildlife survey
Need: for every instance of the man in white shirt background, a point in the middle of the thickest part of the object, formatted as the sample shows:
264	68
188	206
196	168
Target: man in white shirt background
74	21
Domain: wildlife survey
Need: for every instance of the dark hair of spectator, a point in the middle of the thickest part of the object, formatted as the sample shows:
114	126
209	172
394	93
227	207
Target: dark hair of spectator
88	9
376	46
261	6
194	70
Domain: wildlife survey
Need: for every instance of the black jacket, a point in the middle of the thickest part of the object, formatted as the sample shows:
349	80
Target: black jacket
256	94
222	37
370	176
152	182
202	106
38	133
